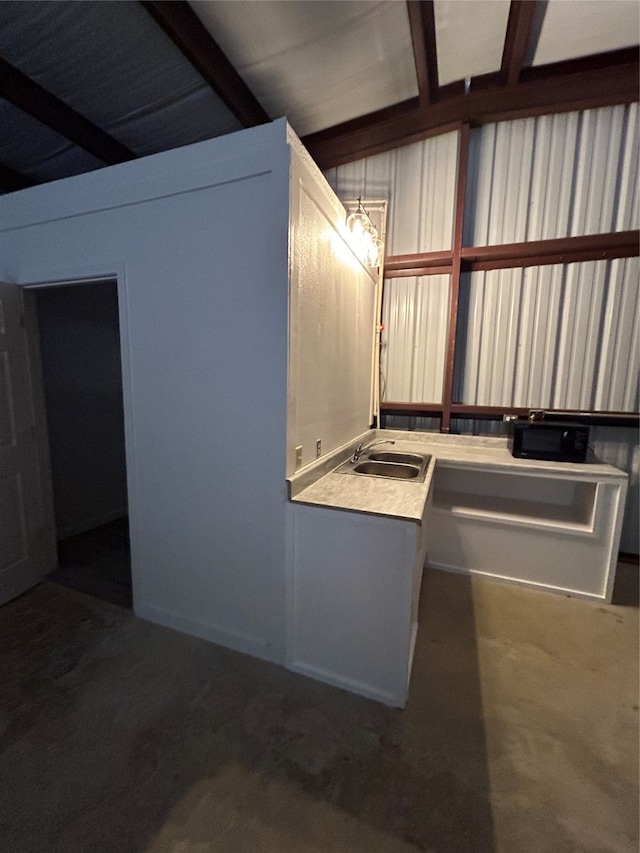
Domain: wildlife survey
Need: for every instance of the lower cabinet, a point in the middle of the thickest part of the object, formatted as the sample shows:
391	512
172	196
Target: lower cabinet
559	532
353	589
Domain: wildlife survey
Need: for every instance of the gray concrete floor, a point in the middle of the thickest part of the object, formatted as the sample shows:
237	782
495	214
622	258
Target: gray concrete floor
520	736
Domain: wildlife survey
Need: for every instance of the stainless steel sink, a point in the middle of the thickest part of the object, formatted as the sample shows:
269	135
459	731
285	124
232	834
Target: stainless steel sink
396	456
395	465
388	469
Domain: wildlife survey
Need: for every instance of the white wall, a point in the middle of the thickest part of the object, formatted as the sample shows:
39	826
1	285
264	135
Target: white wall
197	239
82	377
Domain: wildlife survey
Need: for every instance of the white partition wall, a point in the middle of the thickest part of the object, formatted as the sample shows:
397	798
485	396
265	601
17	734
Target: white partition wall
203	244
197	240
331	324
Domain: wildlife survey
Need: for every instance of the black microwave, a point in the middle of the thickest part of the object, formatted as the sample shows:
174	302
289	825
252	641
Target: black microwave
549	440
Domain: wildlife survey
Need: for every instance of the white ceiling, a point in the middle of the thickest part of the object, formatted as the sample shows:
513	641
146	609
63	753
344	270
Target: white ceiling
317	63
470	37
573	28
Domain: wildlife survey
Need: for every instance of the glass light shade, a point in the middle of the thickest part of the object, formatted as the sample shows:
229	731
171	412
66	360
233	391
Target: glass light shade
364	236
369	236
375	253
357	222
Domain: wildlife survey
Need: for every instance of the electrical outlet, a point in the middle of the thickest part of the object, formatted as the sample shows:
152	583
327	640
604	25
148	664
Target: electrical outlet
318	448
298	457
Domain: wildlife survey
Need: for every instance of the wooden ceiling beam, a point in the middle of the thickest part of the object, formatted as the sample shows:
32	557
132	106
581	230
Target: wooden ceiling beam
422	23
519	24
602	85
10	180
608	60
189	34
31	98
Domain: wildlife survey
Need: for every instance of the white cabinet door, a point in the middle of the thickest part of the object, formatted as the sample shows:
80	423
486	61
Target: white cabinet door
27	545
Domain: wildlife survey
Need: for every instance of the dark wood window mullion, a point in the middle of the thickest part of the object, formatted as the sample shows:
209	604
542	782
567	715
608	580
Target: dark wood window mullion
456	262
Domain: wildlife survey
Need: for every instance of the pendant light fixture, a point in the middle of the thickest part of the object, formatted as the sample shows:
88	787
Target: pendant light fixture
364	237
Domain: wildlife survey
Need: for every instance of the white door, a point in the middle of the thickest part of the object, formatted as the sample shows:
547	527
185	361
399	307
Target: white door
27	541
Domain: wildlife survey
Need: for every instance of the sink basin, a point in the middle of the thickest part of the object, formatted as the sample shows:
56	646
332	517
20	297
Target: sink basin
393	464
388	469
396	456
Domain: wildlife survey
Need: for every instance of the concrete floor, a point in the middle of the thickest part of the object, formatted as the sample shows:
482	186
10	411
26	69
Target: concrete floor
521	735
98	562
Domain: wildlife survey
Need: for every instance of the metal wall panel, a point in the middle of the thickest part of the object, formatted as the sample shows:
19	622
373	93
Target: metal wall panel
412	423
553	176
419	182
564	336
415	314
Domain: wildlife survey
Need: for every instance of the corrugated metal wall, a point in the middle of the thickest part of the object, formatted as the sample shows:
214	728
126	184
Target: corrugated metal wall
553	176
562	337
412	362
419	183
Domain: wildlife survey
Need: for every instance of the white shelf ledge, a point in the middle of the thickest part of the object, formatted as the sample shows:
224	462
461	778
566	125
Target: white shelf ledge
522	513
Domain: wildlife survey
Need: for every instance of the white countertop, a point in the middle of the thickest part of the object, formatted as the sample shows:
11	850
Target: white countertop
405	499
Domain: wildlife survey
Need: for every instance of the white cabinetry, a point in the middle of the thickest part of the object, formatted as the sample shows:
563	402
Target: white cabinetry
558	531
354	586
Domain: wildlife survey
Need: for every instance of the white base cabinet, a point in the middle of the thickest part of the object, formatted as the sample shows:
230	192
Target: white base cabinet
560	532
354	584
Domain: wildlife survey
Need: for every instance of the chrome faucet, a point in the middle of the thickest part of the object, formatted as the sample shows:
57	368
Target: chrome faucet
360	449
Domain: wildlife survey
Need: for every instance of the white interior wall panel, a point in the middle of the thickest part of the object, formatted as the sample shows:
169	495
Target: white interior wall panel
553	176
563	337
414	341
419	182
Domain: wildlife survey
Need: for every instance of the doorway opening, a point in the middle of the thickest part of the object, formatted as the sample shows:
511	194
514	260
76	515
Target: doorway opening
79	337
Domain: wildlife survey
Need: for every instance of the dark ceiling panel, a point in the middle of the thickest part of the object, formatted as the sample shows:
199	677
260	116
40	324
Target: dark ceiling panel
52	112
11	180
185	29
423	37
38	152
112	64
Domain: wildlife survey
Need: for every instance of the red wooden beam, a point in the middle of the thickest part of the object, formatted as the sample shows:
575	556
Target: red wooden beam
461	191
609	59
563	250
536	94
458	410
410	272
189	34
619	244
413	408
422	24
521	14
421	260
